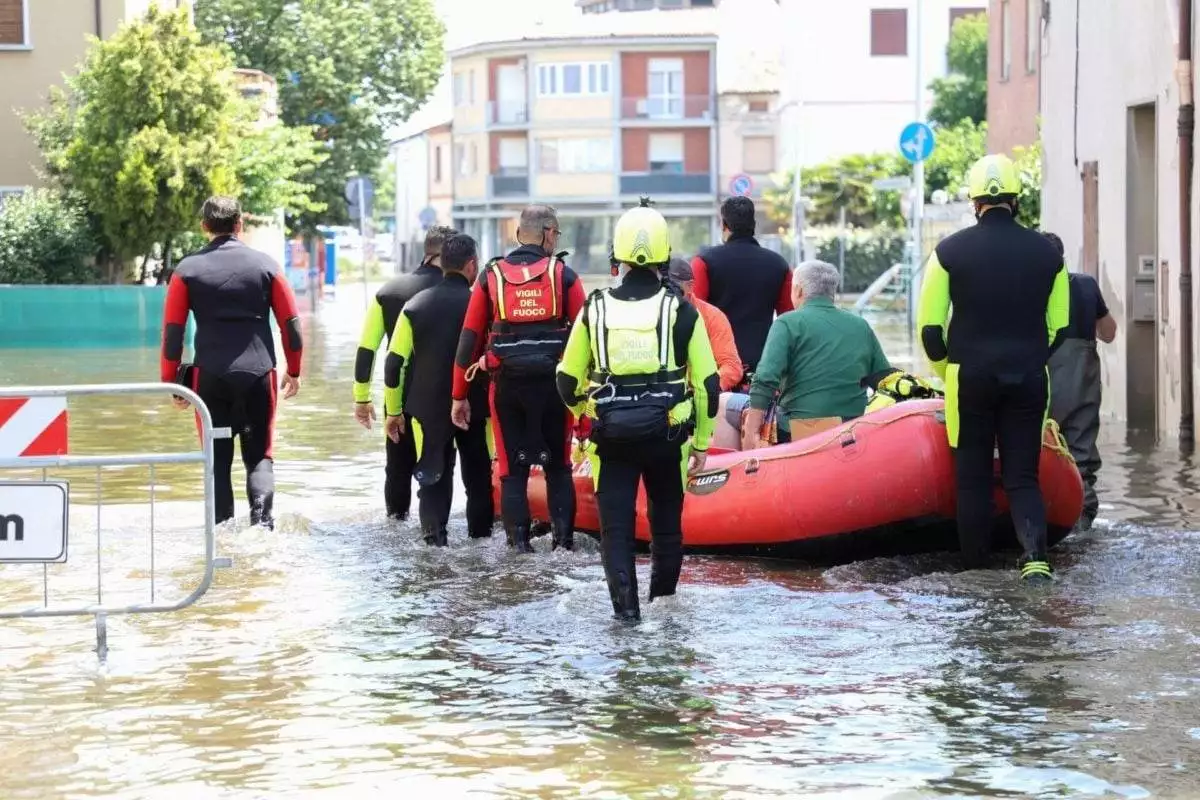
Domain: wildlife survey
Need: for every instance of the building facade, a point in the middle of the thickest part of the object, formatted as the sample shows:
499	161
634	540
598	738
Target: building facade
1014	62
603	6
1111	189
850	71
424	190
587	124
40	40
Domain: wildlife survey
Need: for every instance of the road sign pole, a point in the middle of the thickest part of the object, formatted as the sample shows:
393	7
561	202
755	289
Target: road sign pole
362	243
914	282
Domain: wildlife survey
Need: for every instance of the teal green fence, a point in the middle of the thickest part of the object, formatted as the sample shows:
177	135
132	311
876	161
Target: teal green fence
82	316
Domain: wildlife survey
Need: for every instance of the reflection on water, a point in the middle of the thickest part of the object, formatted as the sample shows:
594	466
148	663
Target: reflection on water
340	655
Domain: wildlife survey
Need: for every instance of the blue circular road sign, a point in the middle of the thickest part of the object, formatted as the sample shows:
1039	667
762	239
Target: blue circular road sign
741	185
916	141
427	217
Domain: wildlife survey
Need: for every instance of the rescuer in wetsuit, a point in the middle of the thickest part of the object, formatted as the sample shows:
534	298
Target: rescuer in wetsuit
521	309
1009	292
631	358
232	289
418	373
380	322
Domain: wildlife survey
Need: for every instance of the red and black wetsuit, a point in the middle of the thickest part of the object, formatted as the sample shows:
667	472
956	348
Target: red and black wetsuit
231	289
750	284
520	311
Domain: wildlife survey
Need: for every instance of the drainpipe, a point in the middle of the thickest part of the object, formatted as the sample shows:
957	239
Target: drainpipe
1187	126
99	18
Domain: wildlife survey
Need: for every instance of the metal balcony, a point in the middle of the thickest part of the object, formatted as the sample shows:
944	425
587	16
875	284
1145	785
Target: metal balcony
692	108
509	183
660	183
508	112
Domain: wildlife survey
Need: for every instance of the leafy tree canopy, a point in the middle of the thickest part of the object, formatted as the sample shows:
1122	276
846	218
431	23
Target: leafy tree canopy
962	94
353	68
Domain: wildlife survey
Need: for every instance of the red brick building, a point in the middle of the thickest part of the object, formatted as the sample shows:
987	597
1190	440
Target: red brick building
1014	61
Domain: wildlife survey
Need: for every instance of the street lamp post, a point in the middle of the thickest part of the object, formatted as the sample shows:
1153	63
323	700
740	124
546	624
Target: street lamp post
797	186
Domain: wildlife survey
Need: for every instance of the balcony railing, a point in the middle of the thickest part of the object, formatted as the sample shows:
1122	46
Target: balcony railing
509	182
680	107
659	183
508	112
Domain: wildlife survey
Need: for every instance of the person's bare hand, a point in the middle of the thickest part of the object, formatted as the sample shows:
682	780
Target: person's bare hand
290	385
696	461
394	427
365	414
460	413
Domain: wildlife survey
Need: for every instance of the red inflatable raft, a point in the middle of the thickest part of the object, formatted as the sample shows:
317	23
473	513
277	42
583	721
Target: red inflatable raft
879	485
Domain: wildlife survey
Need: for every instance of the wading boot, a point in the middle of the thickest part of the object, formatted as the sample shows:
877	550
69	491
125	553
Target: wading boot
436	537
1035	571
518	538
482	533
624	596
564	535
539	529
666	560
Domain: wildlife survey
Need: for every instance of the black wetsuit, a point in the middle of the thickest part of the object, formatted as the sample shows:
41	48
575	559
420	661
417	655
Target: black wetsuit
232	290
1008	290
421	357
401	457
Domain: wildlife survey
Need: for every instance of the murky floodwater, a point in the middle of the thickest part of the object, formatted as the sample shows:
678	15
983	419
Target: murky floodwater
339	656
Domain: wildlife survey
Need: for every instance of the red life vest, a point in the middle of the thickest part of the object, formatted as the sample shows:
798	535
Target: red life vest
529	325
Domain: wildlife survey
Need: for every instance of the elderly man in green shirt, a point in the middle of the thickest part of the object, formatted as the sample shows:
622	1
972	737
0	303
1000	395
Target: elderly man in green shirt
817	361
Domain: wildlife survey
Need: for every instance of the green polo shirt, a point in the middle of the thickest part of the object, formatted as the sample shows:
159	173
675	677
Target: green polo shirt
818	356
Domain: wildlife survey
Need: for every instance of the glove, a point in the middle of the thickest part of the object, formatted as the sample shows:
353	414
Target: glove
583	428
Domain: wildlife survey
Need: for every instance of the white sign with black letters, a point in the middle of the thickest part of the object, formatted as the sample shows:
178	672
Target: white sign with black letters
33	522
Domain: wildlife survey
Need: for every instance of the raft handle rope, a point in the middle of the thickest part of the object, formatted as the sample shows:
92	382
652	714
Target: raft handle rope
752	463
476	368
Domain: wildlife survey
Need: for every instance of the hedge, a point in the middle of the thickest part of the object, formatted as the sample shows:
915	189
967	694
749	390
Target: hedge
869	253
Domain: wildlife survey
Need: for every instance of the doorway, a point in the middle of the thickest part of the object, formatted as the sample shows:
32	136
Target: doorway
511	91
1141	269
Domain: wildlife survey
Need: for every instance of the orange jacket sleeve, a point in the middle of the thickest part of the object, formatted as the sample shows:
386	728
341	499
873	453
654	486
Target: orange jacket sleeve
720	336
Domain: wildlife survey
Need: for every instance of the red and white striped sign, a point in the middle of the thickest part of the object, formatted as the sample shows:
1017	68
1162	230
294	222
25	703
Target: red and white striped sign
33	426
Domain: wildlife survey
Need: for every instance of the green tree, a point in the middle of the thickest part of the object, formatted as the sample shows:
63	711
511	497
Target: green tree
275	165
956	149
44	238
385	188
962	94
1029	165
842	182
142	134
353	68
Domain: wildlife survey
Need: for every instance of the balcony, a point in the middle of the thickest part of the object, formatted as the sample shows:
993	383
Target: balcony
660	183
509	182
696	108
508	112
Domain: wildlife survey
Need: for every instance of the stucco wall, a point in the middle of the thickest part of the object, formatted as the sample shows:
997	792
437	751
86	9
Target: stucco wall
1144	32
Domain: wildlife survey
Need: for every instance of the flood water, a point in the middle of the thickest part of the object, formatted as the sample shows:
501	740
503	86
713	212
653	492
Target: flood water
339	656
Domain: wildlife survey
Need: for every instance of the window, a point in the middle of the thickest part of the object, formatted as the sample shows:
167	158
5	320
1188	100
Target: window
666	152
889	32
14	23
460	156
758	154
437	164
1005	41
459	91
471	87
514	157
1033	34
758	106
665	98
574	80
575	155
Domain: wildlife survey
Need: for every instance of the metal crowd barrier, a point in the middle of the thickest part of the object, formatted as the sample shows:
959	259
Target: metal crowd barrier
100	610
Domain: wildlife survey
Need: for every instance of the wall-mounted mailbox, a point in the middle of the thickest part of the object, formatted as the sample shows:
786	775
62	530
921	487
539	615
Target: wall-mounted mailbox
1145	300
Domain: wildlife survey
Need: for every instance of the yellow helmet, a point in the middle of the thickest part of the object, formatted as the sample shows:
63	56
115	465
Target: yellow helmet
992	177
641	237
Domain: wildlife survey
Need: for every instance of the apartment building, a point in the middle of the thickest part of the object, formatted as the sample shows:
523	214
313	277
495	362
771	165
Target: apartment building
588	121
1014	60
40	40
850	70
1111	190
424	189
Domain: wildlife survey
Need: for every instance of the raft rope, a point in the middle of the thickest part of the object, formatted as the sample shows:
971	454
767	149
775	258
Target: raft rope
476	368
1058	445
